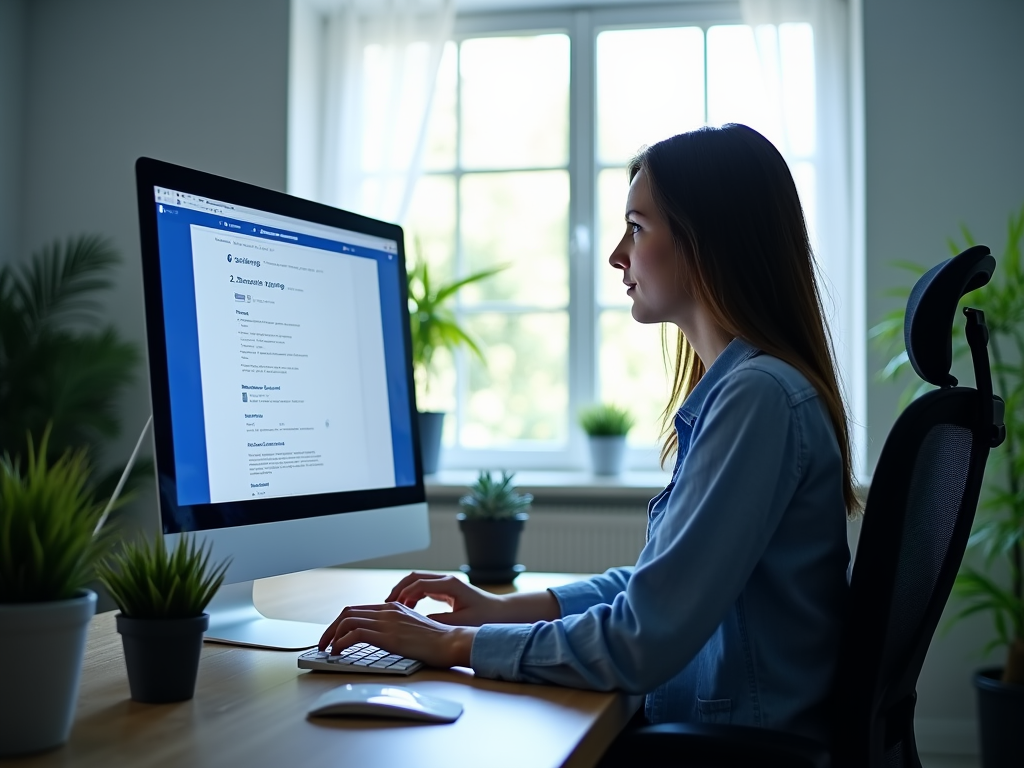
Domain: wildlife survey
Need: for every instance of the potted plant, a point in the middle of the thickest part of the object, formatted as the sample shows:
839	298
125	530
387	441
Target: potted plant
50	541
491	520
606	426
433	326
162	595
999	528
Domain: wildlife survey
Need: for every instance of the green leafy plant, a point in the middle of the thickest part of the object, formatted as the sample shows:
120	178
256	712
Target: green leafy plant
493	499
49	543
149	582
59	363
606	420
432	320
999	529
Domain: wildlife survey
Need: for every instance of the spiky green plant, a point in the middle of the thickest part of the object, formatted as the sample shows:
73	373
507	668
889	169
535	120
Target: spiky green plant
999	528
491	499
433	324
149	582
49	545
59	363
606	420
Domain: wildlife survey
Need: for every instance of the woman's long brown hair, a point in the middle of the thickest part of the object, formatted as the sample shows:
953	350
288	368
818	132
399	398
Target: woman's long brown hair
740	234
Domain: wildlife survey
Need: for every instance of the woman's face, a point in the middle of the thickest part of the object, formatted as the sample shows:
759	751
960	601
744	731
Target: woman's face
651	268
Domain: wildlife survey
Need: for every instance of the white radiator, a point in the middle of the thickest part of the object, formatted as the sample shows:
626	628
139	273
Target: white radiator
559	539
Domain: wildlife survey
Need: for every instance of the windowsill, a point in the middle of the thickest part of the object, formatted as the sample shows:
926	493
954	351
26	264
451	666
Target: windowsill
558	487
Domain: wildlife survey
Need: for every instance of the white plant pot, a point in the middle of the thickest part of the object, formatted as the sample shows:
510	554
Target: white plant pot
41	651
606	454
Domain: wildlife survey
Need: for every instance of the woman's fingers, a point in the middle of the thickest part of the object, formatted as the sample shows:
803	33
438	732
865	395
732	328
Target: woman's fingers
410	579
448	589
398	629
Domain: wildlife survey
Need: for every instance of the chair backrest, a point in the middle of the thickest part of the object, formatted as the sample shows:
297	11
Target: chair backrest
917	519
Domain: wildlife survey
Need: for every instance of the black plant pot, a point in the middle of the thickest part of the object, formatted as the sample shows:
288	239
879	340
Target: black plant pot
162	656
1000	720
491	547
431	425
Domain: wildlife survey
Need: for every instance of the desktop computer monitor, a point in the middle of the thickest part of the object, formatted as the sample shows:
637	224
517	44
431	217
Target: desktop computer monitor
281	386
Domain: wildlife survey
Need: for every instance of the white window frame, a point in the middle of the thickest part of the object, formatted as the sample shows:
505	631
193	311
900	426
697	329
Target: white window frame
582	20
582	25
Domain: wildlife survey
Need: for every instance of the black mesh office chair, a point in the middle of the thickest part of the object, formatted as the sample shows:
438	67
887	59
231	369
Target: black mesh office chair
917	519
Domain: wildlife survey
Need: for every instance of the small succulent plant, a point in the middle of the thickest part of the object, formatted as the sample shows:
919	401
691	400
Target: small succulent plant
493	499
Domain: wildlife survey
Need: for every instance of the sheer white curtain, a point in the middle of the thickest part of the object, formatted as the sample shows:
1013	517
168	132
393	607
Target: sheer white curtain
827	192
381	61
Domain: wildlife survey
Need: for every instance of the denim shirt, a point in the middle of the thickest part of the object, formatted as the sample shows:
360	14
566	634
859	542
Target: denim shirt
734	609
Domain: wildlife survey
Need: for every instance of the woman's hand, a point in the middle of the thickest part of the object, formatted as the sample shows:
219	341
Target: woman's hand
397	628
472	607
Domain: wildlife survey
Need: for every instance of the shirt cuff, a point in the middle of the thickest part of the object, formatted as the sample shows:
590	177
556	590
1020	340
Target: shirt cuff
577	597
497	650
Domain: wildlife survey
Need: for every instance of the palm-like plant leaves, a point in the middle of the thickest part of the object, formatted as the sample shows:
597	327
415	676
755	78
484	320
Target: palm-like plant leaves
432	322
55	365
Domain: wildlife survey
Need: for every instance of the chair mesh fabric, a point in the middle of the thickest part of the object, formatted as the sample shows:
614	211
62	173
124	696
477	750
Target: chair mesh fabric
894	756
937	486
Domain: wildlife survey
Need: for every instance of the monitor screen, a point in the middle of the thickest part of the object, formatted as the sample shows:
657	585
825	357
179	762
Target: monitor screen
279	357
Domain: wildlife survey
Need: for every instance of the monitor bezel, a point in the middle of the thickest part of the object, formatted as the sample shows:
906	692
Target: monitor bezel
152	173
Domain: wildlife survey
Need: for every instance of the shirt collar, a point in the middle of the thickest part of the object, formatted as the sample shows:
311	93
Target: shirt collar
735	353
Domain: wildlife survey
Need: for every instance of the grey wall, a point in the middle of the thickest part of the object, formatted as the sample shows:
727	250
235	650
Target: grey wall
12	117
944	111
944	85
198	83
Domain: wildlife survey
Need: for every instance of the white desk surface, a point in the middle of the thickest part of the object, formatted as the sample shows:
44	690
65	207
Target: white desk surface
250	705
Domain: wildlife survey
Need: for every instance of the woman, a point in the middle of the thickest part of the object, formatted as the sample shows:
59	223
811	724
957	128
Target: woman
734	609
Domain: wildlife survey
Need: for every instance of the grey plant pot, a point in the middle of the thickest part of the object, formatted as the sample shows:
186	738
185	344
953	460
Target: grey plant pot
431	425
491	547
606	454
162	656
41	651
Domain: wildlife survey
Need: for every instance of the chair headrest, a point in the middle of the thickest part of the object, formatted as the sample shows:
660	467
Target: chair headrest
931	310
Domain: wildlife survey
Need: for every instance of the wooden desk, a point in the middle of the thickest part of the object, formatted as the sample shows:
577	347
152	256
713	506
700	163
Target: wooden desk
250	705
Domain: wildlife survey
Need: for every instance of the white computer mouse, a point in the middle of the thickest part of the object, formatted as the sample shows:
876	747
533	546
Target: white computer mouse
384	700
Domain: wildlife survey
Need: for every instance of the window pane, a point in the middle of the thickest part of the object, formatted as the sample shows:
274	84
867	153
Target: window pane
522	220
764	78
632	371
796	46
515	101
430	235
612	186
806	186
735	89
650	85
439	149
523	392
430	226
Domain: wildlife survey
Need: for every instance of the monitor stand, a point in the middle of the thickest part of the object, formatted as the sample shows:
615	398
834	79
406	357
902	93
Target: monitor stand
234	619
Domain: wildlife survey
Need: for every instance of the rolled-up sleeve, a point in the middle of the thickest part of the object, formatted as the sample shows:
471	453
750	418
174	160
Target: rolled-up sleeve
581	595
633	630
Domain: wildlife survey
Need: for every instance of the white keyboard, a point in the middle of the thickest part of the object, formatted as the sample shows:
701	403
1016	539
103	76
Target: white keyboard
361	657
